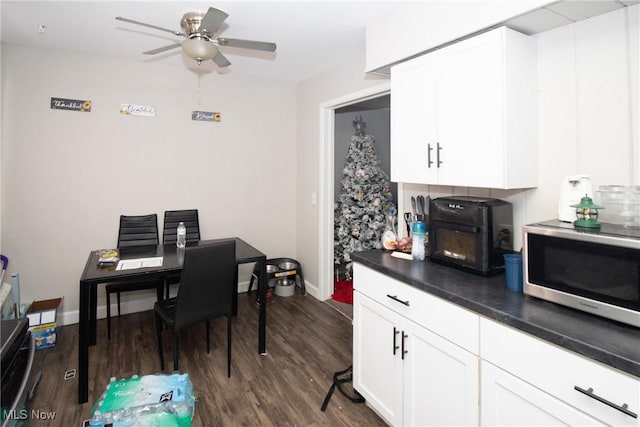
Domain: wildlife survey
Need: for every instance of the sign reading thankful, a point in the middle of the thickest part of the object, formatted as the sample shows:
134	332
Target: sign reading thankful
205	116
137	110
70	104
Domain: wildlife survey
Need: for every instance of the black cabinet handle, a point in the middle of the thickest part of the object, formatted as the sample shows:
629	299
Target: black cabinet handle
395	298
395	347
438	154
403	350
624	408
429	150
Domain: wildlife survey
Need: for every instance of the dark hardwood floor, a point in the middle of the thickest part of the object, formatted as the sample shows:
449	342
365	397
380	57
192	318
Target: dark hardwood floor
307	341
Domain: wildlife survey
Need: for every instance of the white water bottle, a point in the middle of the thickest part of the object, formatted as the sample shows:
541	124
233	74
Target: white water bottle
181	237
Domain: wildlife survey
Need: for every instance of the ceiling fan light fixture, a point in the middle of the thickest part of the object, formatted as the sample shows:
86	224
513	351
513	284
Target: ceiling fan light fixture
200	43
199	48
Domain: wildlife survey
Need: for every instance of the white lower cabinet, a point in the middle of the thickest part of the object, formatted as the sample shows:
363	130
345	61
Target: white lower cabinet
506	400
377	367
422	361
440	386
528	381
408	374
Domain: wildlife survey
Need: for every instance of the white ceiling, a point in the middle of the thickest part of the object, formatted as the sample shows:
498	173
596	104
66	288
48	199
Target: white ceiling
312	36
563	13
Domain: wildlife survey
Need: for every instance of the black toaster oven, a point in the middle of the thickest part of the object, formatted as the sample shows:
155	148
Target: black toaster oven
470	233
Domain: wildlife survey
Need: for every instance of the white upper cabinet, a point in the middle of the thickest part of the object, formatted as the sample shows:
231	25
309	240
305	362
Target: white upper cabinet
465	115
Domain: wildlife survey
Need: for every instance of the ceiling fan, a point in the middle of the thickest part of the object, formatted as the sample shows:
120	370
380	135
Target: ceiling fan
201	44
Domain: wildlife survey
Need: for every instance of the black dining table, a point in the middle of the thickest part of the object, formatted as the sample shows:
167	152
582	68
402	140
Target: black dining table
172	259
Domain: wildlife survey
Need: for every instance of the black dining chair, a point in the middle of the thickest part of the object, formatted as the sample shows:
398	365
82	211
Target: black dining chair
169	235
135	231
206	292
173	218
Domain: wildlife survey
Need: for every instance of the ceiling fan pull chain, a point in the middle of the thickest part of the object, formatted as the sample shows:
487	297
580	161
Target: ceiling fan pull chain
199	88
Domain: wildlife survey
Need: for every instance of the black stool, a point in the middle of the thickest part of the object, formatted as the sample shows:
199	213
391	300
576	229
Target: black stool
278	268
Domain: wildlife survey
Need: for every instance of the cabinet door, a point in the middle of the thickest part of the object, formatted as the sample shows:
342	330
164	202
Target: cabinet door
472	103
509	401
470	112
377	368
441	381
413	121
530	359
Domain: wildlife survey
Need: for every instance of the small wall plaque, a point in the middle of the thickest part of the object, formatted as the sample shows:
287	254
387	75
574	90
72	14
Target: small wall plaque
70	104
137	110
205	116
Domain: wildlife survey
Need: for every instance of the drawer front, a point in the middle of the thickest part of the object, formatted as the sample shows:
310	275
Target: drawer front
506	400
445	319
558	371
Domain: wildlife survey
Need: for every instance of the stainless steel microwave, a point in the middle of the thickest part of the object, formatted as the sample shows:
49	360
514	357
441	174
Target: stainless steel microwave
593	271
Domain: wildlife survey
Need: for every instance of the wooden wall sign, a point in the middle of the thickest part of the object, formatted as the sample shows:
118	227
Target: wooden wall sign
205	116
70	104
137	110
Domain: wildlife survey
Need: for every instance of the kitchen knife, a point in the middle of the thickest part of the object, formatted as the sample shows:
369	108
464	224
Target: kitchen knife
413	205
408	217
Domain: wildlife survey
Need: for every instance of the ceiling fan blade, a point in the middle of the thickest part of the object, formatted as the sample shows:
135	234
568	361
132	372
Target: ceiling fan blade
221	60
213	20
131	21
247	44
162	49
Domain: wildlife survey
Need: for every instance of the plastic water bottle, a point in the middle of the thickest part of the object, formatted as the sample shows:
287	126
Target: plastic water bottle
389	235
181	240
417	241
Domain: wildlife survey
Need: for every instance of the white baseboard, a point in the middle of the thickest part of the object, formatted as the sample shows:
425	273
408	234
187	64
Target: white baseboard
135	306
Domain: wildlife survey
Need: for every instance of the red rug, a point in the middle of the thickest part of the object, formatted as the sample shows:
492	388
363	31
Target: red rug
343	291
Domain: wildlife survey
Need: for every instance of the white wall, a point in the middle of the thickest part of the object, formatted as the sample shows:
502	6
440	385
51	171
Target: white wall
67	176
588	114
340	81
418	26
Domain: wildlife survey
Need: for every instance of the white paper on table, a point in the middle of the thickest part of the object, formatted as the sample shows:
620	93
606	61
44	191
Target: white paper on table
131	264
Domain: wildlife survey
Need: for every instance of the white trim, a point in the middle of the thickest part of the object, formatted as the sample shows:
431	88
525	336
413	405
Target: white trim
327	143
400	207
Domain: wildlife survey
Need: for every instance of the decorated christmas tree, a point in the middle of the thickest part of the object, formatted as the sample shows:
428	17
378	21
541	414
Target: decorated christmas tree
364	199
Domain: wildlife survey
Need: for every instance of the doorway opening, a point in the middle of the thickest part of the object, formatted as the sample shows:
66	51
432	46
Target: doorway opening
331	171
375	113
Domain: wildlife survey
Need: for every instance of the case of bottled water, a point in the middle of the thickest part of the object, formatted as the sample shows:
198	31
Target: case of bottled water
150	400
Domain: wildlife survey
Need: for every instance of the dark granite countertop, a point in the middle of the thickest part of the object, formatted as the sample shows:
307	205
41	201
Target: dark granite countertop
609	342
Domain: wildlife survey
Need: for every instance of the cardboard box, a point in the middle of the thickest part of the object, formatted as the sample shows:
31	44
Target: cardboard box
43	322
